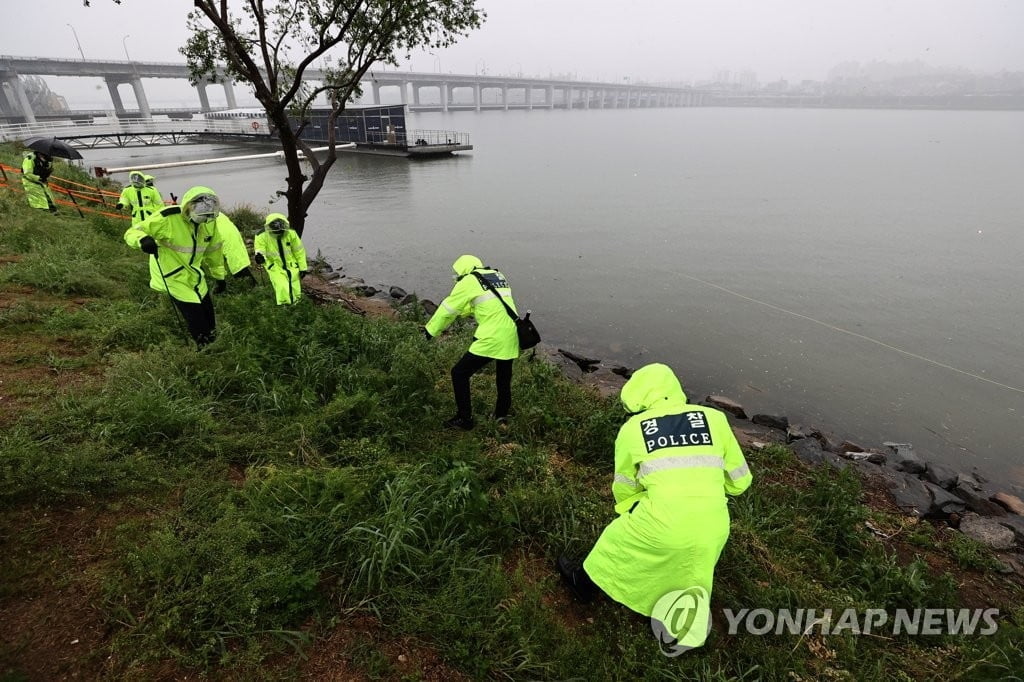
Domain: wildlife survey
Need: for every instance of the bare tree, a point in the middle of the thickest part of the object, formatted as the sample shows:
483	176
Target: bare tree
271	44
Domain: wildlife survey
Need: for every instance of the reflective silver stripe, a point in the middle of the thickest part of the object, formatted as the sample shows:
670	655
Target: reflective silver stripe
449	308
739	472
215	247
625	480
487	297
696	461
179	249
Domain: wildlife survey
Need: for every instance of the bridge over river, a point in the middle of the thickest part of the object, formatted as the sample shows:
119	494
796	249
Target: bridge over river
454	91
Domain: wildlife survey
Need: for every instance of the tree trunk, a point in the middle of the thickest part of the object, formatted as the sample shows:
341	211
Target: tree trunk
296	179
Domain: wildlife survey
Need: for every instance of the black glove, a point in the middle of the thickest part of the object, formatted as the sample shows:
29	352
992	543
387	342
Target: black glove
219	286
427	335
148	245
245	273
302	275
260	260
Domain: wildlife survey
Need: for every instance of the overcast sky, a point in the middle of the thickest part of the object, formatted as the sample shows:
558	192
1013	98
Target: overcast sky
653	40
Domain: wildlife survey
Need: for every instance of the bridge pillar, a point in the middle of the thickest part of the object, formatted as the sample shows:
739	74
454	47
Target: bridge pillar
21	98
140	98
376	93
204	99
477	95
504	96
570	93
229	93
529	97
446	94
415	94
6	105
403	92
549	96
115	97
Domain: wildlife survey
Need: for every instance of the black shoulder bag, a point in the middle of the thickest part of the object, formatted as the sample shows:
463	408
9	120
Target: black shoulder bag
527	333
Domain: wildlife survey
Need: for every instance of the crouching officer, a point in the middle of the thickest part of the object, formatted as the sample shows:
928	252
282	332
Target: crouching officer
279	249
35	173
674	465
495	339
181	240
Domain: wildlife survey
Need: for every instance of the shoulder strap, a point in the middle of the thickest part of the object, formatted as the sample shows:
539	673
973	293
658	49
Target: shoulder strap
487	285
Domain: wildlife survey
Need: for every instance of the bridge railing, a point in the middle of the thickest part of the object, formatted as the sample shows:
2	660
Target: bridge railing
146	126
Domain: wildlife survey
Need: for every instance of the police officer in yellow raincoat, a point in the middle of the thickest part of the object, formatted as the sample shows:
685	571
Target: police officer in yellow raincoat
495	339
279	250
674	465
156	200
35	172
181	240
143	201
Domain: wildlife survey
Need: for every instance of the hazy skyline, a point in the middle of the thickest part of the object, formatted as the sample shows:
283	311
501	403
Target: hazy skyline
653	40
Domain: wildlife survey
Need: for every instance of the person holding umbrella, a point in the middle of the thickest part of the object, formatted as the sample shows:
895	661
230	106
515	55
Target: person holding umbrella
37	166
35	173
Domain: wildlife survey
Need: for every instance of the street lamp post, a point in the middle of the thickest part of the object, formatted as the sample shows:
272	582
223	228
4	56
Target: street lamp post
75	33
124	43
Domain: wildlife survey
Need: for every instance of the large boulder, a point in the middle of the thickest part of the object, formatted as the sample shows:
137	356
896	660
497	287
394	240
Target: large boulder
905	459
941	475
726	405
910	494
977	500
397	292
944	503
987	531
780	422
585	364
797	432
429	307
808	450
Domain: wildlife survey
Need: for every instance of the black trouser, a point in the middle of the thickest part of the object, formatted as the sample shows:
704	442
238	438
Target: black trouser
202	325
468	366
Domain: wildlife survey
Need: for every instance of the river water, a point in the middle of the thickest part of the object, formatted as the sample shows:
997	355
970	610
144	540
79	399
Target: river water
857	270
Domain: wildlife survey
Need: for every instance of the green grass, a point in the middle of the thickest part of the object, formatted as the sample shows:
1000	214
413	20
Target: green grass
292	477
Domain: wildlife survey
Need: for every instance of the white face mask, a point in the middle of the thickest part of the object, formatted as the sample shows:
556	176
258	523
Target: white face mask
203	208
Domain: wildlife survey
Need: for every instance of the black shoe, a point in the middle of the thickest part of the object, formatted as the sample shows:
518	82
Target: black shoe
501	422
458	422
576	579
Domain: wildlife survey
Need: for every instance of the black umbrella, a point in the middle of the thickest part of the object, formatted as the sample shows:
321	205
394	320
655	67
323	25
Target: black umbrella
52	147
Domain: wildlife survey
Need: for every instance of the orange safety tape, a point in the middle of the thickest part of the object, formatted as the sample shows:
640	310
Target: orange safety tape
65	202
95	190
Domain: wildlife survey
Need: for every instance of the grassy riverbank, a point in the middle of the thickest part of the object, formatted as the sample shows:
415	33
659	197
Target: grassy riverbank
285	505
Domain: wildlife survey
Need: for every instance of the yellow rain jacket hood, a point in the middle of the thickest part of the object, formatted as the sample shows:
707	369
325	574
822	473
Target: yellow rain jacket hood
495	335
183	250
674	465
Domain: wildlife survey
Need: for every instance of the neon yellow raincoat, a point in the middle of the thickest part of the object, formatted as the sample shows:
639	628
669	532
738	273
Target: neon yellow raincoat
33	173
183	250
496	335
153	196
285	259
674	465
142	200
